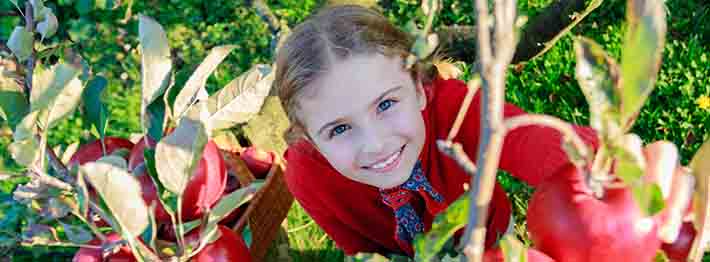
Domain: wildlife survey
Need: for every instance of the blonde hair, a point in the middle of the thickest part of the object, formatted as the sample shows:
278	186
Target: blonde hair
333	34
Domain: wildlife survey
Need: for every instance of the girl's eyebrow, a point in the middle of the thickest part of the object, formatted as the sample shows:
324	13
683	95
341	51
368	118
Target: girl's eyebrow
391	90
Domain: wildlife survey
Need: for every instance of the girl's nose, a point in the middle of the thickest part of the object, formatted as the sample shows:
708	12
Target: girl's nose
373	141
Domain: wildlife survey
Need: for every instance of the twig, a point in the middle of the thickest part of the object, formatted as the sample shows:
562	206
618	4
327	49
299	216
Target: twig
493	65
43	178
63	244
274	24
455	151
578	18
473	86
538	35
9	13
263	10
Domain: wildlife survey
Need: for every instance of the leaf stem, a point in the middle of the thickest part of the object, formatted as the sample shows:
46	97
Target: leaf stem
179	229
91	226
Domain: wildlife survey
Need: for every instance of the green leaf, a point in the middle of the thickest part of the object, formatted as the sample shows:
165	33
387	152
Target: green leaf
81	30
84	6
266	129
115	161
423	47
20	43
105	4
642	54
177	155
27	127
48	26
13	102
65	102
194	89
700	168
168	199
54	209
232	201
513	250
649	197
598	76
38	9
241	99
93	106
455	217
48	85
77	234
122	194
155	118
25	152
155	63
630	168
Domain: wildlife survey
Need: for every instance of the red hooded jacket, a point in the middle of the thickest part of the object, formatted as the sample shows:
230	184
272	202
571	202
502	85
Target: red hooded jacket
353	214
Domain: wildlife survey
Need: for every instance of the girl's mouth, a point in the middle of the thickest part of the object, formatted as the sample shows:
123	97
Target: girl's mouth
387	164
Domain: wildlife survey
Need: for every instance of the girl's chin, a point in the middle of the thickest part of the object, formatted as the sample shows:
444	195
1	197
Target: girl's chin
390	180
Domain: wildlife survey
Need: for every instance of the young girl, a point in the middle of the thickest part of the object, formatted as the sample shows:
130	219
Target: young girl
362	156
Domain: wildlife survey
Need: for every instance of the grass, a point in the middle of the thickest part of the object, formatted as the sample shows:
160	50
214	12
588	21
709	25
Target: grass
545	85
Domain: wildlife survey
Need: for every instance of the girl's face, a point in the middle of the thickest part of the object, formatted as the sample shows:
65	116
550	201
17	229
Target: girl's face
364	116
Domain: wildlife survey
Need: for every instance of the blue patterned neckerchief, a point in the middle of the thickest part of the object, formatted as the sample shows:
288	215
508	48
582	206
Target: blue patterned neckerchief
399	199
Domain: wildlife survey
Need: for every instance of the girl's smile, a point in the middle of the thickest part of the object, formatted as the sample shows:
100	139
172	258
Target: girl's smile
364	116
386	165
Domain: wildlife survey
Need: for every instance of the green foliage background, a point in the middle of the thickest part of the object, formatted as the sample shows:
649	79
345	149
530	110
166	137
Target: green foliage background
108	41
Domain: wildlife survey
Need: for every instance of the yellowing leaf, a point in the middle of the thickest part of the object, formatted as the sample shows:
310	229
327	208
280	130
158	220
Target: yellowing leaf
122	194
25	152
48	26
20	43
177	155
241	99
194	90
155	63
48	84
642	54
447	69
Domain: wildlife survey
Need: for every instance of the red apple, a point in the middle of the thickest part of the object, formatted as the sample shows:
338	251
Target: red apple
258	161
92	151
203	190
229	247
567	222
150	195
136	157
86	254
206	185
496	255
678	250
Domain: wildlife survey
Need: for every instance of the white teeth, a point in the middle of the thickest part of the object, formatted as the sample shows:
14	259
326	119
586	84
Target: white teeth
387	162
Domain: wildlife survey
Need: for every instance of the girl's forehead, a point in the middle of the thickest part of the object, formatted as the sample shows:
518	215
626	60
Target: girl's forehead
357	73
350	87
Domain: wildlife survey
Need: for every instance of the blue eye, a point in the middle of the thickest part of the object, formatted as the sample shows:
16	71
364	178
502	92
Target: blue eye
339	129
384	105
